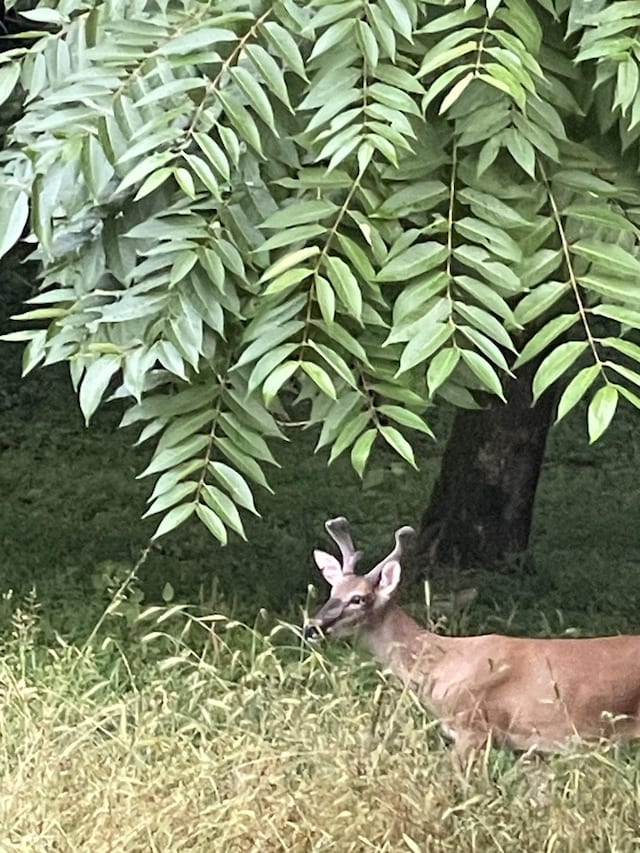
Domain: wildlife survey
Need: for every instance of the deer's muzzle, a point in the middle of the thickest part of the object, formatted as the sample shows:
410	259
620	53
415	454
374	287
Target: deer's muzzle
324	619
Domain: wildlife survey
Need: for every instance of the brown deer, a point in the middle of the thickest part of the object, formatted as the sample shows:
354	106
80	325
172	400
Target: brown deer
523	693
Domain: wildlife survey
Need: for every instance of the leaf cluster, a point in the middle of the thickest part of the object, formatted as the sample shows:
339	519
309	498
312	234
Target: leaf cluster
335	214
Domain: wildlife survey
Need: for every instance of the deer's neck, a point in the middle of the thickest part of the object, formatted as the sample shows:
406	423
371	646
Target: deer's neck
398	642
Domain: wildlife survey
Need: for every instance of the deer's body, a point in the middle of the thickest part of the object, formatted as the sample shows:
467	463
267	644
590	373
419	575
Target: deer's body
524	693
527	693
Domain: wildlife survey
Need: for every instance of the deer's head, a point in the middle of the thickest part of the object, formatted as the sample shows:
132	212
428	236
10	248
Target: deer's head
355	600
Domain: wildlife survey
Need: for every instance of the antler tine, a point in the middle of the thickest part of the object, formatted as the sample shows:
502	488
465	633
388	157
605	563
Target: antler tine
338	530
400	534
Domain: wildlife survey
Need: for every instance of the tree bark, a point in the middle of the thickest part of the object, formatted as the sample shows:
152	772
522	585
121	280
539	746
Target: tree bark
481	508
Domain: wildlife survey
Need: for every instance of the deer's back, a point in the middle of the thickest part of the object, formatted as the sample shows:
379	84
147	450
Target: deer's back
537	692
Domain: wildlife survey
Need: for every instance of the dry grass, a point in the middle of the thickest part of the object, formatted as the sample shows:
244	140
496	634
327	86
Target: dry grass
257	745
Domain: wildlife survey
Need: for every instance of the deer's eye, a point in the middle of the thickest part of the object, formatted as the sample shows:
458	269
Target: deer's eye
356	599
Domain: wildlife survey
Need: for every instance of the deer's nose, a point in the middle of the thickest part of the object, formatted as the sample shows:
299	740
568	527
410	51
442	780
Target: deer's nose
311	632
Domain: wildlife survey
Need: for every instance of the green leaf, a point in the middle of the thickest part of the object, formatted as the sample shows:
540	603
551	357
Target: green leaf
444	53
481	368
183	426
270	71
223	506
177	516
576	389
399	16
300	213
392	96
625	371
487	296
601	281
426	342
625	316
627	84
285	46
255	95
290	260
95	382
491	209
405	417
169	90
320	377
369	47
625	347
153	181
143	168
245	437
204	173
613	258
357	256
337	415
9	75
170	497
269	338
268	363
419	196
235	484
361	450
441	367
539	300
289	236
539	267
287	281
349	433
14	212
598	213
335	361
415	260
455	92
214	154
486	347
399	443
171	456
521	150
198	39
485	322
182	266
544	336
345	285
326	299
276	380
212	522
241	119
555	364
495	239
601	411
333	35
243	462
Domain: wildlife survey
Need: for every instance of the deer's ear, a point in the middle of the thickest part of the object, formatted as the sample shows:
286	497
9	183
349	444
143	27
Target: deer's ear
329	566
389	578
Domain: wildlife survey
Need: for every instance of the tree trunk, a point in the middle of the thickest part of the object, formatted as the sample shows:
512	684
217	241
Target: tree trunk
481	508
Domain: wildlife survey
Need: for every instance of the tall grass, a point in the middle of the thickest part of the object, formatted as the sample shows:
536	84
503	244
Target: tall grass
257	743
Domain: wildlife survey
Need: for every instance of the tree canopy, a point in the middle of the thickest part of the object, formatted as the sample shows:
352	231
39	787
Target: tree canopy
377	205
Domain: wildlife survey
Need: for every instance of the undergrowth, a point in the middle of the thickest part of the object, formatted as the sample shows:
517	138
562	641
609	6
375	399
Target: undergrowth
210	735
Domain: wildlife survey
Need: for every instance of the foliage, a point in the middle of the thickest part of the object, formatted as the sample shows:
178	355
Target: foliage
375	206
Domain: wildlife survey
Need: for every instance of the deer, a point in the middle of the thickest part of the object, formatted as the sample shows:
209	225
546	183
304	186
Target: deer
531	695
